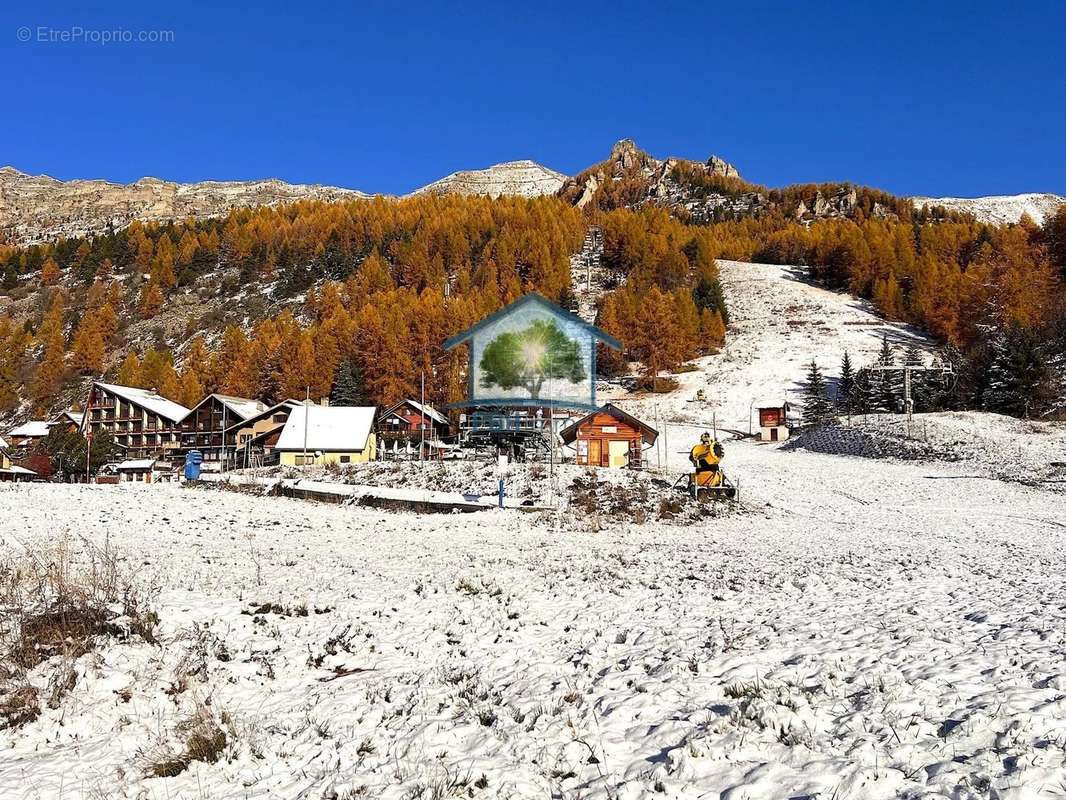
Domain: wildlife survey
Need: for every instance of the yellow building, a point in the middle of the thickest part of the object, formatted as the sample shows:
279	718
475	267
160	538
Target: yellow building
328	435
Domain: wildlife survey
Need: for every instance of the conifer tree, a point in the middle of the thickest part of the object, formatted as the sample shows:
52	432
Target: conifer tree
50	273
151	299
885	381
817	408
712	329
88	348
708	295
846	385
1019	381
348	385
129	374
862	393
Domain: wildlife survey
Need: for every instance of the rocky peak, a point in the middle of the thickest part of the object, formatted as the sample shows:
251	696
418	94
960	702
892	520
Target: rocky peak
512	178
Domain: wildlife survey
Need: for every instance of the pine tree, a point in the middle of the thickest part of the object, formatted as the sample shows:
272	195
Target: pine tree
348	385
88	349
885	381
862	393
1019	381
708	295
50	273
817	409
151	299
129	374
712	330
52	366
846	385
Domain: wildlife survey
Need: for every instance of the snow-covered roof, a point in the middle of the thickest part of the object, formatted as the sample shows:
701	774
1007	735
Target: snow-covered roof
240	407
34	429
16	470
136	463
155	403
69	415
331	428
424	410
771	402
3	444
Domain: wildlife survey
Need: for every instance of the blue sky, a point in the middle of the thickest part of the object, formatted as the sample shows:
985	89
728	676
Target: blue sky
944	98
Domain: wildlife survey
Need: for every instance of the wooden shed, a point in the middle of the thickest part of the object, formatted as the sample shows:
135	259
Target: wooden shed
609	437
773	420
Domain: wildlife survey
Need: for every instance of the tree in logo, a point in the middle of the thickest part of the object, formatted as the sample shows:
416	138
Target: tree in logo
528	357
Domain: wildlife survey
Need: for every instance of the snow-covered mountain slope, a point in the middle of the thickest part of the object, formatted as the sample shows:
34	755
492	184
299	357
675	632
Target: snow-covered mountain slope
517	178
999	209
778	323
38	207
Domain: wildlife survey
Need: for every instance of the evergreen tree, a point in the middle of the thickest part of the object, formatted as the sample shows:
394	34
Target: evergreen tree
846	385
129	374
862	393
1019	380
708	294
348	385
885	382
817	409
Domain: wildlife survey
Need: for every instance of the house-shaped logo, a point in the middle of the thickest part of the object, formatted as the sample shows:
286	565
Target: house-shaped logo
532	353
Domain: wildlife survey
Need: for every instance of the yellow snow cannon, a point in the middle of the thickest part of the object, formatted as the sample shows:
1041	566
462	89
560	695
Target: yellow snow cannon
708	480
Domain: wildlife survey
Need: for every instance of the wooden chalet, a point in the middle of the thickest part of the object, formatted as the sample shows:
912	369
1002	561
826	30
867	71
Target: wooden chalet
10	471
143	423
255	438
210	426
411	420
609	437
28	433
69	419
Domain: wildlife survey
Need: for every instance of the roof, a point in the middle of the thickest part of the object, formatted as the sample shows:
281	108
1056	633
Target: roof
648	433
424	410
771	402
35	428
240	407
331	428
3	444
155	403
266	412
536	299
136	463
16	470
70	415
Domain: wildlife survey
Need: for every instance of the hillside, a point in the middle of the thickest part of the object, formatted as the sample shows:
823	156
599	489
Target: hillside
779	321
511	178
1001	209
36	208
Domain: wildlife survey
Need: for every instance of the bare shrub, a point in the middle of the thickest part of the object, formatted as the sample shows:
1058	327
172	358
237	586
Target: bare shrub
55	605
205	741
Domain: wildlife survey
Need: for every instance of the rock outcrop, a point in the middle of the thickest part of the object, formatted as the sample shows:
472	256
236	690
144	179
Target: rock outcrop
36	208
512	178
673	182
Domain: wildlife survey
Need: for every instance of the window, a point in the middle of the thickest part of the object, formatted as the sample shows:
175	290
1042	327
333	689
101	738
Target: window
279	418
346	459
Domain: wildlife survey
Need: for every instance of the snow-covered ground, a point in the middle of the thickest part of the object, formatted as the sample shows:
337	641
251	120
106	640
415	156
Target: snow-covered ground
855	628
779	322
856	632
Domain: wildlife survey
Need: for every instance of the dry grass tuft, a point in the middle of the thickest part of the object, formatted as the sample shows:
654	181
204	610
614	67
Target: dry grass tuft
55	605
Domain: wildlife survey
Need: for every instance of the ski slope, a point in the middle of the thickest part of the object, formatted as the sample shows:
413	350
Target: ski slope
779	322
